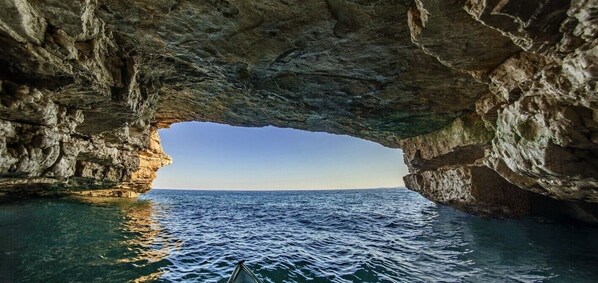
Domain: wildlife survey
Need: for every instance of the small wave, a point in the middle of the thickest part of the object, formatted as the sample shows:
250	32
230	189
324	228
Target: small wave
355	236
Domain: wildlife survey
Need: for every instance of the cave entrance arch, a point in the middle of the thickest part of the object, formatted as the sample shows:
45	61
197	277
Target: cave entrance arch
217	156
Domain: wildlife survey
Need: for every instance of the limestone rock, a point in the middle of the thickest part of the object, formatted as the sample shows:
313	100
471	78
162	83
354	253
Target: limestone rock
493	102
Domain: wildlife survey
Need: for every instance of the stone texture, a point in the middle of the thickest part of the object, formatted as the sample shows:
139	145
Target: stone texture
539	115
477	189
494	102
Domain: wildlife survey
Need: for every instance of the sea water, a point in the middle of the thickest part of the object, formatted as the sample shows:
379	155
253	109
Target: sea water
386	235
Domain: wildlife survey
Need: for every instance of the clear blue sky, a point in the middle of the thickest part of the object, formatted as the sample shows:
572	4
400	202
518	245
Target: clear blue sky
215	156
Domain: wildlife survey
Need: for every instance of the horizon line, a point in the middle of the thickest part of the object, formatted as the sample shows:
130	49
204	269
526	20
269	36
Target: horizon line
275	190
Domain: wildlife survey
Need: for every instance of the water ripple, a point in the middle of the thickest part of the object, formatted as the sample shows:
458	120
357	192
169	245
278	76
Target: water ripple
329	236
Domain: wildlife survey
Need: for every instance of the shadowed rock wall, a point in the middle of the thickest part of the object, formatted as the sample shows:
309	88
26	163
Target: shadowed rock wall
536	126
493	102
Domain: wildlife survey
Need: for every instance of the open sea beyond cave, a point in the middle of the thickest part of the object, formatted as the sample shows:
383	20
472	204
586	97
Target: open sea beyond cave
385	235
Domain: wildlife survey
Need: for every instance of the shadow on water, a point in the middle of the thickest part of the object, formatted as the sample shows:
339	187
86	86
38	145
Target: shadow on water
523	250
331	236
80	240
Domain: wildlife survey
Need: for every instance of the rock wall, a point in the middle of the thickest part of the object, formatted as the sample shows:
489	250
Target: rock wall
494	102
535	128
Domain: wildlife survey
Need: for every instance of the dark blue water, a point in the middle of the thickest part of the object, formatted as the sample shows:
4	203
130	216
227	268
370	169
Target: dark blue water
325	236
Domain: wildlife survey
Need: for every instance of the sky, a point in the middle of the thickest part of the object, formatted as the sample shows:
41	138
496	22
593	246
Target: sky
215	156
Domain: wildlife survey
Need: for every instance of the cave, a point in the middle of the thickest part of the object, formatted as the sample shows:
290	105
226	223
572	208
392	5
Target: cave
493	102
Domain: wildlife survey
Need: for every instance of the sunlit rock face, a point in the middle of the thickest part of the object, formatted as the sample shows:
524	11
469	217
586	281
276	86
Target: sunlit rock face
491	100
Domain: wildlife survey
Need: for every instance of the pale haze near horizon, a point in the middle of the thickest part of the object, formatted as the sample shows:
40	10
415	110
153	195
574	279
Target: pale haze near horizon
213	156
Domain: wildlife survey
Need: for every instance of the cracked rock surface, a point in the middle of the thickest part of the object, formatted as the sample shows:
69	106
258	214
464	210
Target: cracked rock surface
494	102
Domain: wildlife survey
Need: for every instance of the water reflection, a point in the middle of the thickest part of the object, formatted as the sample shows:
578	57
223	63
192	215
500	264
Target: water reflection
85	240
146	239
356	236
529	251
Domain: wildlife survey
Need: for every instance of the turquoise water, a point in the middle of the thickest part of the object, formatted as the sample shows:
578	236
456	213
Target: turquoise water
323	236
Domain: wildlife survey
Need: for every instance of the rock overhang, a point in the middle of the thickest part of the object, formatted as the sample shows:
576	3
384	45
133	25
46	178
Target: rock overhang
472	90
